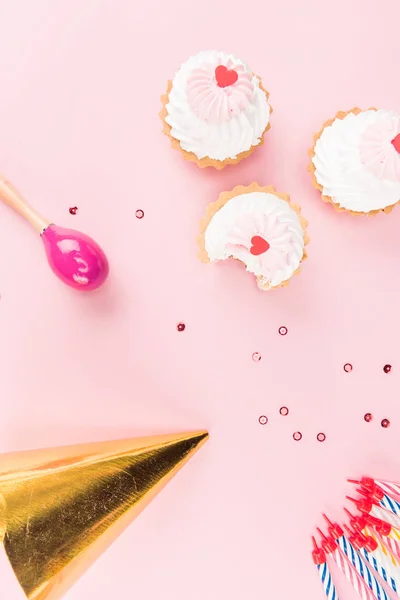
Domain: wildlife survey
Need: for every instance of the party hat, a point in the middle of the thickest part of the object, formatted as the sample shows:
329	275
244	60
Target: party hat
60	508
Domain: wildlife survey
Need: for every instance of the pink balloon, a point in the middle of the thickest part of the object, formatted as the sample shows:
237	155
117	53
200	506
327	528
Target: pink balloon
75	258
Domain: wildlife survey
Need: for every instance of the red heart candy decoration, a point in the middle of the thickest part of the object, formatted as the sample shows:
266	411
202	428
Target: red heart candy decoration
225	76
259	245
396	143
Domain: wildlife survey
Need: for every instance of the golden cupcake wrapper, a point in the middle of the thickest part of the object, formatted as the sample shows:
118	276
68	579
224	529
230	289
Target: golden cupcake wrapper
207	161
311	168
224	197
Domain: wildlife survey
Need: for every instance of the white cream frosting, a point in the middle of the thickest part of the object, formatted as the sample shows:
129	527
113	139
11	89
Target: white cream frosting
340	166
231	229
216	140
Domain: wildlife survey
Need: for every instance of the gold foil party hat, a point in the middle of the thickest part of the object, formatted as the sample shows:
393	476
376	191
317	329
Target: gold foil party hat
60	508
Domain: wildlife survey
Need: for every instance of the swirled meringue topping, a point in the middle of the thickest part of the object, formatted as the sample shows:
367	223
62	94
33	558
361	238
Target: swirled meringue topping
262	231
357	160
216	106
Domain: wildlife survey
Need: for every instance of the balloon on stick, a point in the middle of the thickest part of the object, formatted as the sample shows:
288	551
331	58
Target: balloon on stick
74	257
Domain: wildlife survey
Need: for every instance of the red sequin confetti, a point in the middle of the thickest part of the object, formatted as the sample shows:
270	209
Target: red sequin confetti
263	420
282	330
321	437
284	411
348	367
181	327
73	210
256	356
139	214
387	368
368	417
385	423
297	436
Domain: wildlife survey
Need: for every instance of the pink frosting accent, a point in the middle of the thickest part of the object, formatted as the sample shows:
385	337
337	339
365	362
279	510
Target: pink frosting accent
216	104
377	152
277	235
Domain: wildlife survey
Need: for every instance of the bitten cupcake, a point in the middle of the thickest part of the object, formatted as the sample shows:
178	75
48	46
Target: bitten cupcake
259	227
355	161
215	110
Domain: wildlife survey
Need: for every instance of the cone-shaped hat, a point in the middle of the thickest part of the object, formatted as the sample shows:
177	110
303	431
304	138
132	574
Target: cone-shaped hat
60	508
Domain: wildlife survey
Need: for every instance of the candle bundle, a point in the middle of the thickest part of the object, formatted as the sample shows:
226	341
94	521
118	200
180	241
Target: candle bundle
367	549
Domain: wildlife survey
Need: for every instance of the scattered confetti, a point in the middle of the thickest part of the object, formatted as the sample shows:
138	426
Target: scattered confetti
297	436
321	437
282	330
385	423
368	417
263	420
387	368
256	356
139	214
348	367
181	327
284	411
73	210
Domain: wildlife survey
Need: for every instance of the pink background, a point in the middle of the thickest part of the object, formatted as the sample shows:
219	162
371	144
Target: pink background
80	87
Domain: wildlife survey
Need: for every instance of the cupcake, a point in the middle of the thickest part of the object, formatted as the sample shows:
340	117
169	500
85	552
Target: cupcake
215	110
355	161
259	227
